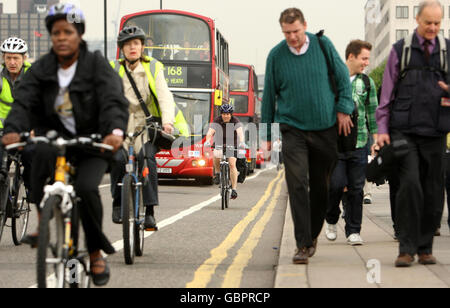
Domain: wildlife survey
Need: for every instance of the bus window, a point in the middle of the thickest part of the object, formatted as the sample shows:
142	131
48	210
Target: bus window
175	37
195	108
240	103
239	79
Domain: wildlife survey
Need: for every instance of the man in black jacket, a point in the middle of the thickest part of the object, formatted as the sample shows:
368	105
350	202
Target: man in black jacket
73	92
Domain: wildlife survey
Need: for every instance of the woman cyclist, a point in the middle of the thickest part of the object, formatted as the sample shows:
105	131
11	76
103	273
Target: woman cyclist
148	75
220	123
76	93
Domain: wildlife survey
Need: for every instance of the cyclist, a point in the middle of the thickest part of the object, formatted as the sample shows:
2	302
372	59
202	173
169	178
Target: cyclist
74	92
14	54
148	75
219	128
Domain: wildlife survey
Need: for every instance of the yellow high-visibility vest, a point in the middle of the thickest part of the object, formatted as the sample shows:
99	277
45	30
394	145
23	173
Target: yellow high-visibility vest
6	97
152	68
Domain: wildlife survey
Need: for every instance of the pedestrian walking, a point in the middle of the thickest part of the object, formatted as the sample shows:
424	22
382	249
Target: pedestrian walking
412	108
298	95
350	171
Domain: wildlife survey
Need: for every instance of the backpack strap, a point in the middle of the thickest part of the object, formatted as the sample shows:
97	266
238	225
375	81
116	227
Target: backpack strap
443	53
367	86
406	54
330	69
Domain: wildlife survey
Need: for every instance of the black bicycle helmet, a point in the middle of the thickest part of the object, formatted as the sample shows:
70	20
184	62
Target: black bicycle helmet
129	33
226	108
66	11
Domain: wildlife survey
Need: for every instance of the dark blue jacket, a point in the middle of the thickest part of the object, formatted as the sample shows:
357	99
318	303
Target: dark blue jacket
416	106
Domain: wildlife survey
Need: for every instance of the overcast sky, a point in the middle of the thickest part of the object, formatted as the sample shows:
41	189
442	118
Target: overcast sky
250	26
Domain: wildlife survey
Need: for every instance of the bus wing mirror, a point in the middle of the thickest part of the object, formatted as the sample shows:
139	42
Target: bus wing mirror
218	97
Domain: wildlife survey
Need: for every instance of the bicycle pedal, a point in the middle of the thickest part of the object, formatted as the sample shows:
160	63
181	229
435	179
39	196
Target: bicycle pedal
151	229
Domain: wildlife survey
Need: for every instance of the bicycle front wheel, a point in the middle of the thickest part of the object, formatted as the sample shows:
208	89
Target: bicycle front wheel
21	211
228	185
51	256
223	186
139	230
128	219
4	193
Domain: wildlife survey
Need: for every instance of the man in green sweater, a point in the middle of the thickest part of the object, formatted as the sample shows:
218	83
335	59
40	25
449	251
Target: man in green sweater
298	95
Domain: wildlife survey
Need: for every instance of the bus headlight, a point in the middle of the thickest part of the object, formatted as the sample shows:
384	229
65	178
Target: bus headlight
199	163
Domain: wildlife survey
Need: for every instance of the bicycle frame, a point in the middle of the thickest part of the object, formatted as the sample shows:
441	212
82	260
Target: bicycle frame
67	194
132	169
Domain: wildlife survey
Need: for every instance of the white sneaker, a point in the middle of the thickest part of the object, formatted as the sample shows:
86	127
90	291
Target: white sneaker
355	240
331	232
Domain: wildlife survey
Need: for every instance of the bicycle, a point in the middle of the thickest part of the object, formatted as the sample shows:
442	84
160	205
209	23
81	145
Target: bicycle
14	197
224	176
132	207
58	250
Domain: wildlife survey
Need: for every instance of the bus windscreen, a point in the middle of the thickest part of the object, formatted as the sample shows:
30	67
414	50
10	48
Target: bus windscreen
174	37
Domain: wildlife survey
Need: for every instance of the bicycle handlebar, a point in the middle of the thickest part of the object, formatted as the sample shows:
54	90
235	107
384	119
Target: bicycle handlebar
60	142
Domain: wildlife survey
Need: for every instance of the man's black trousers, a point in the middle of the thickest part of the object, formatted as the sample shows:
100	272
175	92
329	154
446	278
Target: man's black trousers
420	193
310	158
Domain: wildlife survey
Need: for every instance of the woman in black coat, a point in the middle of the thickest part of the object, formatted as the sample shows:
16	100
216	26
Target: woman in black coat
74	92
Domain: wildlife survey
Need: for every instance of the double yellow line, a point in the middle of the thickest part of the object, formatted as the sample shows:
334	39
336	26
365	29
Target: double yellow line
233	276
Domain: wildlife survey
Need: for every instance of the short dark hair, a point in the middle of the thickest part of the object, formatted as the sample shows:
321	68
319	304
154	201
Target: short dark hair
289	16
355	47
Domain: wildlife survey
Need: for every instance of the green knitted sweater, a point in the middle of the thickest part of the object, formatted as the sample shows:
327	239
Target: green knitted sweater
297	89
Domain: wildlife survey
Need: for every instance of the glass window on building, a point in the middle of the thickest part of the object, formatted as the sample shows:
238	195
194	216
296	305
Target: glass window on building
401	34
402	12
416	11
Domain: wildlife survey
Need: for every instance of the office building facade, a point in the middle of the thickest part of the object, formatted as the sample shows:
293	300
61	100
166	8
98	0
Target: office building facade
388	21
28	23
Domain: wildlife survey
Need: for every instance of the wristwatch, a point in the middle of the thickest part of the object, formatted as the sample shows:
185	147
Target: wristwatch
117	132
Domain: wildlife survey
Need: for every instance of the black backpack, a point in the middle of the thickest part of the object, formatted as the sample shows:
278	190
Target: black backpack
242	167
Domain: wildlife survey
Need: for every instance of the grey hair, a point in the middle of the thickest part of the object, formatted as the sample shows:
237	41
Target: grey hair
428	3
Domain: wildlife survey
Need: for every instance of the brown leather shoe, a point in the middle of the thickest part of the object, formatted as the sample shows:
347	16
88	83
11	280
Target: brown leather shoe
427	259
404	260
301	256
312	250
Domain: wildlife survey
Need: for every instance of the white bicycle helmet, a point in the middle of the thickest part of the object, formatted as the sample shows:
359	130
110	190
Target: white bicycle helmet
14	45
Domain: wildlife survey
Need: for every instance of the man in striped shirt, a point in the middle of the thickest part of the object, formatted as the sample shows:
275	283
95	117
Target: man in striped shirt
350	171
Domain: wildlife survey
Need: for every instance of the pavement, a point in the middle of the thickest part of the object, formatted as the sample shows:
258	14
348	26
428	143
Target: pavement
339	265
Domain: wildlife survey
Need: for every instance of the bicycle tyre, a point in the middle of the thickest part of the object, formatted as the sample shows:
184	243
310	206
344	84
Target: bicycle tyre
79	278
4	193
223	186
227	181
51	241
20	209
139	231
128	219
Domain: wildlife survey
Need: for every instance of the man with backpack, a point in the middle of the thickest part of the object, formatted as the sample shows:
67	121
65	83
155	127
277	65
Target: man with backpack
413	108
350	171
299	96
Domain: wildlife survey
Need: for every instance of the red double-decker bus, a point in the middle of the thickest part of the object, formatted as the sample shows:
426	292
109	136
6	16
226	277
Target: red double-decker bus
244	97
195	56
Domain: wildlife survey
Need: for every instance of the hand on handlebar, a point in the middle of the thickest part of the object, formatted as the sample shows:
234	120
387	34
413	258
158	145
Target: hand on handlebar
168	128
114	141
11	138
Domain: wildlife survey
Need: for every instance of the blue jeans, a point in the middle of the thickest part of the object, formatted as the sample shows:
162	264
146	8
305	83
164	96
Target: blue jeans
350	172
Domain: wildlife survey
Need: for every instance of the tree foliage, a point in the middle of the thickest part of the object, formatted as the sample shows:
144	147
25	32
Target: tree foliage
377	74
